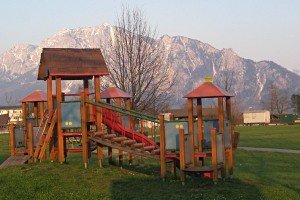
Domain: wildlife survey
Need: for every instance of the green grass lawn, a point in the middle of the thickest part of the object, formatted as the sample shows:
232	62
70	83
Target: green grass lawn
4	147
281	136
257	175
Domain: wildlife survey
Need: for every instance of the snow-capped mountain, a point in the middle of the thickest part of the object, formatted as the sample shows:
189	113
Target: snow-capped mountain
191	59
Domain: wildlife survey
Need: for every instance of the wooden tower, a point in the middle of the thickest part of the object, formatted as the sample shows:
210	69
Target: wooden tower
60	64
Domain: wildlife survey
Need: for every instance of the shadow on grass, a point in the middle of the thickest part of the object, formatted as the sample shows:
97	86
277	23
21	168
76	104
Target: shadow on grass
151	187
144	183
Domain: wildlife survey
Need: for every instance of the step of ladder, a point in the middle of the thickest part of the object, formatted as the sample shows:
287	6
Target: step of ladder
109	136
128	142
148	148
119	139
138	145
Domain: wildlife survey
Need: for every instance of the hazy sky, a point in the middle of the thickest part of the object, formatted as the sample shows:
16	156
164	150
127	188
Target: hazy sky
254	29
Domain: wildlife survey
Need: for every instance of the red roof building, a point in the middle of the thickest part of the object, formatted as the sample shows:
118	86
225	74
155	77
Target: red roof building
114	92
36	96
208	90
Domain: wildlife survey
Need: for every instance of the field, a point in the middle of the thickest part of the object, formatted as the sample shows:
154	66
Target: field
257	175
281	136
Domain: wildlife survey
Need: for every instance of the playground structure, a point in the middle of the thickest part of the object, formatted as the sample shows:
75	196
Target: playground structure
111	123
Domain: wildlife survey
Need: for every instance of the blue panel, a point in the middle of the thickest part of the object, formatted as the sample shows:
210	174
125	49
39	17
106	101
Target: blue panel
172	133
219	148
207	125
71	116
227	133
19	137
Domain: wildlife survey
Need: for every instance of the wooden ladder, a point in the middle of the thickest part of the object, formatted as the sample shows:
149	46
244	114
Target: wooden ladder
46	136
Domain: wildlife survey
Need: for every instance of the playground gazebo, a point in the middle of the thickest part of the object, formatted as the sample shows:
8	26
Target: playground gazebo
210	90
60	64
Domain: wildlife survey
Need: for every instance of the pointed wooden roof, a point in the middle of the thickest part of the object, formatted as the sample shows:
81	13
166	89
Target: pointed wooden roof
36	96
114	92
71	64
208	90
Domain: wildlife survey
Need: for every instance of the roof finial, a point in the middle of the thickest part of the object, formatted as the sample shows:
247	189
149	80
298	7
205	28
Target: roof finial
208	79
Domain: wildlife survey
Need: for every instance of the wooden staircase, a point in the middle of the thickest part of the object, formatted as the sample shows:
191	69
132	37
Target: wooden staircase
47	126
125	144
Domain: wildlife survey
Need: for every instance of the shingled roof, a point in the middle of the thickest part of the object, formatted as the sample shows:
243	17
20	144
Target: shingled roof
114	92
71	64
36	96
208	90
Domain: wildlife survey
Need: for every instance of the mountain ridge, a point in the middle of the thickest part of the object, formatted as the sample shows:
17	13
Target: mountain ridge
190	58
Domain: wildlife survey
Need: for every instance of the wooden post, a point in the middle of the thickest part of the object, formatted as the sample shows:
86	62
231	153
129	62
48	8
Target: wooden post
191	130
36	115
131	125
84	131
162	147
214	154
50	110
118	102
12	139
88	108
49	94
221	130
182	155
61	156
172	117
98	118
230	156
41	109
31	141
200	128
109	149
24	114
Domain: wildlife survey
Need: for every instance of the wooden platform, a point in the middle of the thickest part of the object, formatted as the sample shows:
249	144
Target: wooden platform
14	161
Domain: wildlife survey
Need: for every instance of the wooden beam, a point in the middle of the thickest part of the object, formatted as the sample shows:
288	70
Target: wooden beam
84	131
35	111
41	109
24	116
162	147
191	130
230	150
131	125
214	155
200	129
50	110
221	129
61	156
182	155
49	94
98	118
118	102
200	124
31	141
12	141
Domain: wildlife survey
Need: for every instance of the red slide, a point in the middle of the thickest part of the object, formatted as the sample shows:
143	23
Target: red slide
110	119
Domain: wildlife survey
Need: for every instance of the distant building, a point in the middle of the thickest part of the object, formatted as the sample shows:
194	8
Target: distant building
256	117
14	113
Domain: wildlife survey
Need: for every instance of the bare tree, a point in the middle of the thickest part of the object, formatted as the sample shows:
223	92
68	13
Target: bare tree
226	74
137	63
277	100
295	103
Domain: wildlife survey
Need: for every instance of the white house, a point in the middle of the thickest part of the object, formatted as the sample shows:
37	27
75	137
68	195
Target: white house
14	112
256	117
